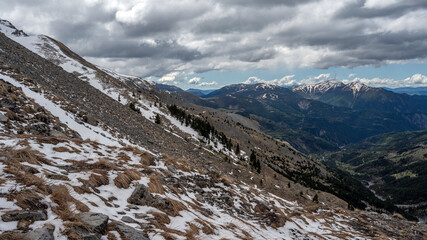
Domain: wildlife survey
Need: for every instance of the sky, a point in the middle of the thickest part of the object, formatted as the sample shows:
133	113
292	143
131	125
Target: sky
211	43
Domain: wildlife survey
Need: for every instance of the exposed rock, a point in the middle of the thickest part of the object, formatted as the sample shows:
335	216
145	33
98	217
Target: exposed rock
129	232
56	133
95	222
44	233
6	103
171	168
140	196
128	219
39	128
24	215
140	215
3	118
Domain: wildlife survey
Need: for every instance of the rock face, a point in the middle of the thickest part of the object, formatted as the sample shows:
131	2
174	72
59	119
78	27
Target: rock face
44	233
3	118
95	222
130	233
141	196
24	215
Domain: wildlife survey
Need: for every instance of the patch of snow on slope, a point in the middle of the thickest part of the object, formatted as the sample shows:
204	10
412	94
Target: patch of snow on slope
85	131
44	47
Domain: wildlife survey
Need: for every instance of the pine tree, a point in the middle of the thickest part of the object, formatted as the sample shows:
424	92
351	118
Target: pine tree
157	119
237	152
316	198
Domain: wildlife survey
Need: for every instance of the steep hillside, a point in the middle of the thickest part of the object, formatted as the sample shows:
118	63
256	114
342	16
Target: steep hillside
393	165
359	96
89	153
308	125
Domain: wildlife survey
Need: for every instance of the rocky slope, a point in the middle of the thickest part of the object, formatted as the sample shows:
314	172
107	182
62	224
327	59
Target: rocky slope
83	156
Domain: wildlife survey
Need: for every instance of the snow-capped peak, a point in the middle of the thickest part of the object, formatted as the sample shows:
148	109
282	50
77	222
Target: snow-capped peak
267	85
319	87
7	28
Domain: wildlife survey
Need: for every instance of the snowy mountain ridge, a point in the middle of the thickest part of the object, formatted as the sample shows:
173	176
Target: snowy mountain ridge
323	87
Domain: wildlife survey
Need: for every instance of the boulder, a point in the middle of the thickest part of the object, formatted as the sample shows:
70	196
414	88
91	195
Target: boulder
56	133
129	232
39	128
95	222
141	196
24	215
128	219
3	118
44	233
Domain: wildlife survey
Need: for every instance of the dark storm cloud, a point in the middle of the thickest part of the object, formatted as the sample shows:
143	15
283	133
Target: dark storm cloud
157	37
132	49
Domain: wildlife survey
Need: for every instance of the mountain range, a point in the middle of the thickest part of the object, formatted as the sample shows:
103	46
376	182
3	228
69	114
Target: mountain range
87	153
321	117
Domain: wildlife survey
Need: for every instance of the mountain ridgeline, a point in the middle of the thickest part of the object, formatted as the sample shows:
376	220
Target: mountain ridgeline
321	117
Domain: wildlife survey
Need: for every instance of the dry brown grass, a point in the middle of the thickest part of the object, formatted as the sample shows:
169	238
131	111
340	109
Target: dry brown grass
192	232
28	179
160	218
176	207
147	159
99	178
207	228
133	174
71	229
154	186
123	157
51	140
122	180
68	149
103	164
61	196
11	236
227	180
27	199
111	236
27	155
178	163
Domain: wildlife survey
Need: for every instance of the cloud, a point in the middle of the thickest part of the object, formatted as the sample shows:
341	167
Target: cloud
172	77
203	84
159	37
416	80
284	81
195	80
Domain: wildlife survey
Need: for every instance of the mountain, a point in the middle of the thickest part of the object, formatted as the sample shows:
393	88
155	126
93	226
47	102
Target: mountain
169	88
199	92
358	96
87	153
393	165
308	125
410	90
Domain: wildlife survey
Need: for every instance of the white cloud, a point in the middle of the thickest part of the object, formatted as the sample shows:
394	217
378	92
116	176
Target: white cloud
195	80
416	80
203	84
170	77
